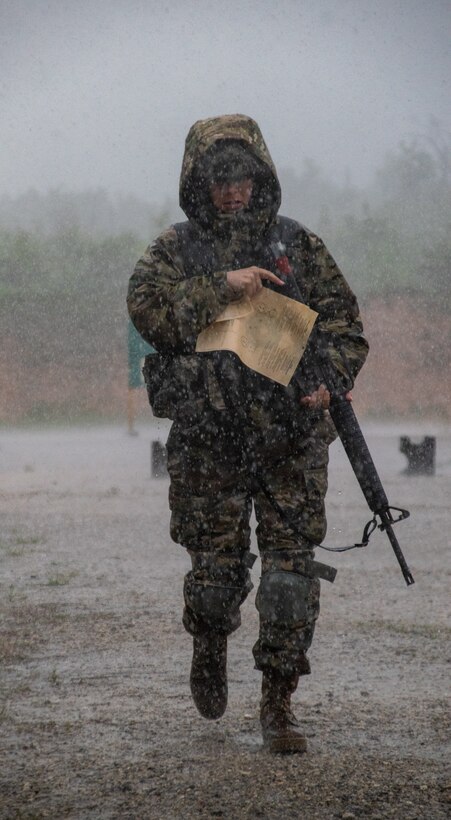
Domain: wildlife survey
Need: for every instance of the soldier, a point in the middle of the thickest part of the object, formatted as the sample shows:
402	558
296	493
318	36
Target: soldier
238	438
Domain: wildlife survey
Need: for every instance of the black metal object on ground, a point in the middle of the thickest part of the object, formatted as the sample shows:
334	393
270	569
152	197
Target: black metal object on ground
420	457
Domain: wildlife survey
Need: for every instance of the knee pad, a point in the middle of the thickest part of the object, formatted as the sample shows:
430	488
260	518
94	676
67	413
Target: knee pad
212	602
217	585
287	598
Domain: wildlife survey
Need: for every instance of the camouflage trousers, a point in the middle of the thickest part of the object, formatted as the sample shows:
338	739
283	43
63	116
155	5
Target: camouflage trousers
213	487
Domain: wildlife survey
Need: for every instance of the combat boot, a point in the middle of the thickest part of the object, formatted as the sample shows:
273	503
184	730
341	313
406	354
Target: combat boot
208	677
281	734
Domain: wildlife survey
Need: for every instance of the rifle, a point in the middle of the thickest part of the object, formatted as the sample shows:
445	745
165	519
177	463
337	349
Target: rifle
316	368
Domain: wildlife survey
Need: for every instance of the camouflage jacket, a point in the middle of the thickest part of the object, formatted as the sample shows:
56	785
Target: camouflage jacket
170	308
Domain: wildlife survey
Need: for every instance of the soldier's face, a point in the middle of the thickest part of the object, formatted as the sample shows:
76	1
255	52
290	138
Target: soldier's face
230	197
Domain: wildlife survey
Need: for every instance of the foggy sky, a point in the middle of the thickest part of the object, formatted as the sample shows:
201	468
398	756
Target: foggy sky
101	94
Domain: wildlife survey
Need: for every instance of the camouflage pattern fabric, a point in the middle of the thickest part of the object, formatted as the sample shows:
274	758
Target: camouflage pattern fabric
204	135
211	490
211	495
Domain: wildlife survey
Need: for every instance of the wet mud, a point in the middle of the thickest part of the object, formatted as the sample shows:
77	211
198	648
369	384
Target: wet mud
96	719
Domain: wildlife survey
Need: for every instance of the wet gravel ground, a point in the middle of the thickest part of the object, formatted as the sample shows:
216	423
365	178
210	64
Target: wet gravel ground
96	719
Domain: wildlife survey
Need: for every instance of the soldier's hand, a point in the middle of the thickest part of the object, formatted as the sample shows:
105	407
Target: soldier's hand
320	399
249	280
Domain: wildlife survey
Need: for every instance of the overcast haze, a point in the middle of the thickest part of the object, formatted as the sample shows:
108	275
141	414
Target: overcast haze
101	94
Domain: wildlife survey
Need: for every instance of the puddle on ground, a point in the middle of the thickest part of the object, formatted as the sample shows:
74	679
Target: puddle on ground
250	741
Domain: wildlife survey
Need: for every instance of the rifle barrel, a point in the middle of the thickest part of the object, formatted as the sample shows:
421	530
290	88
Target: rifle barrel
348	428
387	527
352	438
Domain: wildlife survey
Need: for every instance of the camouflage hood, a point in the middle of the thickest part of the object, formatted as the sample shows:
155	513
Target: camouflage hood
204	138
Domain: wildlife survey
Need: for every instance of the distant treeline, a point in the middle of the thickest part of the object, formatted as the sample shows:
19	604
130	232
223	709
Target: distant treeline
392	237
92	212
65	260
